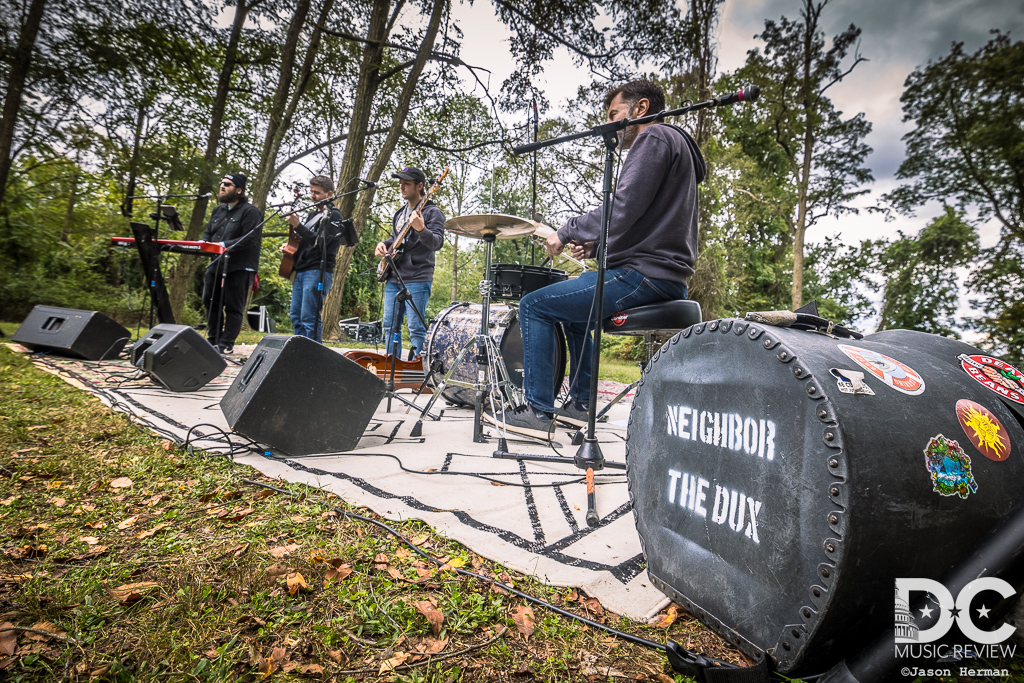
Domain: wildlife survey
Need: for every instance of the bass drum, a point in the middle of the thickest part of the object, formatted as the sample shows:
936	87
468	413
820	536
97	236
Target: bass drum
784	481
458	324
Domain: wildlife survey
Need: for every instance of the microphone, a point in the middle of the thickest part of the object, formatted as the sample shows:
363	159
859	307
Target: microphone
278	206
368	183
205	196
747	94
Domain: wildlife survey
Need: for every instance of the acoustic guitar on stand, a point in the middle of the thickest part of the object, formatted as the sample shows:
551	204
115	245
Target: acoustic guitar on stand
384	267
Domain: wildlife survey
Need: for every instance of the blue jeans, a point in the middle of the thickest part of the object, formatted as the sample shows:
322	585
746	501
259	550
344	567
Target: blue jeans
570	303
420	292
304	302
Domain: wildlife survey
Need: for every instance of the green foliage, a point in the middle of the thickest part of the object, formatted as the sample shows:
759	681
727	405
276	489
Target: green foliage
1000	282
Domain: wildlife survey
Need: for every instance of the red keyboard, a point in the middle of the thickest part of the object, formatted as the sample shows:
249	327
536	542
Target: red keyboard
176	246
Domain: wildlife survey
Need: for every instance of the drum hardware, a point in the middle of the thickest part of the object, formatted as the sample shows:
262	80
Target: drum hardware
491	375
540	236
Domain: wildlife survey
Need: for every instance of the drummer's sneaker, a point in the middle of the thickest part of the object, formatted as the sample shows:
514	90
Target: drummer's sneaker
525	420
573	413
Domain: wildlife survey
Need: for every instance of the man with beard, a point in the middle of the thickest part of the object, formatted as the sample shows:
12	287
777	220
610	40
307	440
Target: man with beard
235	224
652	251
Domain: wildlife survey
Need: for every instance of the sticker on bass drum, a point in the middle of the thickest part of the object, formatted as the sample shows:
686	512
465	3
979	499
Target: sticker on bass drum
984	430
897	375
994	374
950	468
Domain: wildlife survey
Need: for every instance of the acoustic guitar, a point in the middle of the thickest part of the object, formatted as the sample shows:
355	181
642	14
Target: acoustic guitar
408	373
384	267
287	269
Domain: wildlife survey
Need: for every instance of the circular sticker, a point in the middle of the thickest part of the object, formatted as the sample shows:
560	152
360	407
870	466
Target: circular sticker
983	429
897	375
994	374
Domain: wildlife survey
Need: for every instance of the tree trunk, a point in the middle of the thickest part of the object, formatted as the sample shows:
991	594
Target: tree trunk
133	163
16	78
69	209
332	306
180	276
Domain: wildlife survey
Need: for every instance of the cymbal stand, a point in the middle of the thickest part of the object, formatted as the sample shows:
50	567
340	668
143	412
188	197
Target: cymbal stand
491	375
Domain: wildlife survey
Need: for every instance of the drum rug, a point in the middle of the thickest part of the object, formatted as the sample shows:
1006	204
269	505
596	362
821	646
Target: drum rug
529	516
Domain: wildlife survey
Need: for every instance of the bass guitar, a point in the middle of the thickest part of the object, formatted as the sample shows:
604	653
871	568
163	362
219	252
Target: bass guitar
384	267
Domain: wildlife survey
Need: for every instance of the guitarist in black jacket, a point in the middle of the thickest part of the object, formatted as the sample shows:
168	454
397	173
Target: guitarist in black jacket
321	232
415	260
234	222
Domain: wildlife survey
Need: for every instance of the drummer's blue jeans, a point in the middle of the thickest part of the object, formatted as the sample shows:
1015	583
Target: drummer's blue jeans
420	292
570	303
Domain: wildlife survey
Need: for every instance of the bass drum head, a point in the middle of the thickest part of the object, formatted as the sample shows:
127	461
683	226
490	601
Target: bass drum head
457	325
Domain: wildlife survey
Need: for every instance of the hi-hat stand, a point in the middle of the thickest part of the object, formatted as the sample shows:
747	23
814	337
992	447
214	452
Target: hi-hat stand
589	456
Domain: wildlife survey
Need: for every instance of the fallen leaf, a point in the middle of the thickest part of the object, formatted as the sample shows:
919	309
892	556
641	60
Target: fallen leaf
419	540
95	552
662	678
282	551
573	596
295	582
277	570
594	605
334	656
131	593
151	532
8	639
524	620
433	615
310	669
668	618
35	427
393	663
338	572
87	507
121	483
33	550
8	501
158	498
265	493
96	525
128	522
237	516
403	553
58	502
432	646
43	626
381	558
274	661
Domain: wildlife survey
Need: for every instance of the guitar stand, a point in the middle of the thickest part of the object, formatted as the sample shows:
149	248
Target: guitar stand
491	374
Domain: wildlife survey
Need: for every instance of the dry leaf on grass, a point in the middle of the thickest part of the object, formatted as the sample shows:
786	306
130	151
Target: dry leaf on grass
393	663
96	525
59	502
8	639
338	571
433	615
310	670
128	522
47	626
276	571
669	617
594	605
121	483
334	656
235	516
662	678
273	663
130	593
296	582
151	532
284	550
431	646
524	620
95	552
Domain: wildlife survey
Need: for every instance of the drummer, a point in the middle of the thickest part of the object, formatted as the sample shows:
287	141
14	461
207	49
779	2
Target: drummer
652	251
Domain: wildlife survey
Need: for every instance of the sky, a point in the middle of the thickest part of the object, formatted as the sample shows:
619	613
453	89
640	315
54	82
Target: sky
897	36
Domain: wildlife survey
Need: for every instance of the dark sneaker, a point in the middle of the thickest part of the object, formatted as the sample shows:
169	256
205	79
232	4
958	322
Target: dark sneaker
573	413
526	421
225	349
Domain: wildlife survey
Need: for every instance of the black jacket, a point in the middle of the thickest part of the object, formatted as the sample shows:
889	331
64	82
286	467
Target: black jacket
417	254
311	231
229	225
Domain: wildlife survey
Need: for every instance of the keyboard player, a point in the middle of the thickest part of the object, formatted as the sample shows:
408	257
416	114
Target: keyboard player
235	224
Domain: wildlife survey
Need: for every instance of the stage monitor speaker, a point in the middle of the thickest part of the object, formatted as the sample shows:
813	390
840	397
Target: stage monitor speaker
88	335
783	480
300	397
177	357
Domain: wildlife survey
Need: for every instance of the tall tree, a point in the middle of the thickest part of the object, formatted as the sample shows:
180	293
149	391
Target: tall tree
17	74
818	154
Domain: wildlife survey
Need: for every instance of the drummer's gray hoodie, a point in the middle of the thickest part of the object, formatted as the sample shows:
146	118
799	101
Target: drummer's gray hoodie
654	214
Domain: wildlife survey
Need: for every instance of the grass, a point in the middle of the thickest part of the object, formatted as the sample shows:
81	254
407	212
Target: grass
135	561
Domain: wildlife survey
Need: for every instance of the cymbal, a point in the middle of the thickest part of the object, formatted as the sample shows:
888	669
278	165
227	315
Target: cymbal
483	225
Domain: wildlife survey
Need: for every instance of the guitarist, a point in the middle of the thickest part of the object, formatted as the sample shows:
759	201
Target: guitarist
414	260
321	232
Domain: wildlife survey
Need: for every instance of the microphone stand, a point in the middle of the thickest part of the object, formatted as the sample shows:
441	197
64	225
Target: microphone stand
589	456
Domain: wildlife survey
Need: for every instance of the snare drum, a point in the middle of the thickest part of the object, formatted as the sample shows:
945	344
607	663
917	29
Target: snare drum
458	324
511	281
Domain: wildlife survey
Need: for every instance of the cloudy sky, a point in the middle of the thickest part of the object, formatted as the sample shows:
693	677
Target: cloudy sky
897	36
